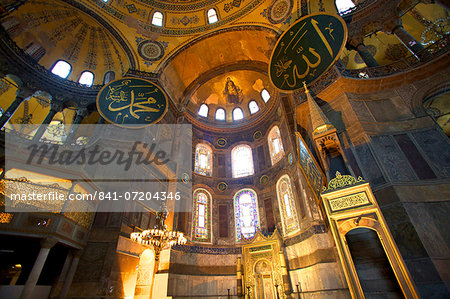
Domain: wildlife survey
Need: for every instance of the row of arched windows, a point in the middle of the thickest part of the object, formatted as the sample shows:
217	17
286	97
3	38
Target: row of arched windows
246	212
237	113
63	68
158	17
241	156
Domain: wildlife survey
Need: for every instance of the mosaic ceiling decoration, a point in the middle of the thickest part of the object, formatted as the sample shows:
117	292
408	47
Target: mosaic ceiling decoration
48	31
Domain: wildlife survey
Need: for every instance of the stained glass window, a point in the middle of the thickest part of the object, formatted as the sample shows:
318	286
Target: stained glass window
242	161
220	114
287	206
275	145
246	214
212	16
203	110
201	221
203	159
157	19
253	107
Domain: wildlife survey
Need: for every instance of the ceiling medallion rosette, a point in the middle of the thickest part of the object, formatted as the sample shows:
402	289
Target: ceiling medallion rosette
280	11
151	50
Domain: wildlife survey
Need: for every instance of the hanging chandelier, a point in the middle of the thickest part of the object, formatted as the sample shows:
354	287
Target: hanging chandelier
159	236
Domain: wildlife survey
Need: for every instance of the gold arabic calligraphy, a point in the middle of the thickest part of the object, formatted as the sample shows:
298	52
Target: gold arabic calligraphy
123	98
311	57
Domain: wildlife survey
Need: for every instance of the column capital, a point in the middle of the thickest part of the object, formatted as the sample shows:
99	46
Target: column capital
389	25
14	80
56	106
48	242
355	41
82	111
24	93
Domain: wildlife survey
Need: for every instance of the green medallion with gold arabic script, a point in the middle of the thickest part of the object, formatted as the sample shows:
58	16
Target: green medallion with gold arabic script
132	102
306	50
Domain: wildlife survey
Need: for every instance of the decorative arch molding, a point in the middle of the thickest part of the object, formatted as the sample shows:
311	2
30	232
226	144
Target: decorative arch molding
189	43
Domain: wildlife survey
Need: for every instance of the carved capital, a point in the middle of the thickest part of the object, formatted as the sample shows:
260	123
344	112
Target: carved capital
355	41
389	25
24	93
82	112
56	106
48	242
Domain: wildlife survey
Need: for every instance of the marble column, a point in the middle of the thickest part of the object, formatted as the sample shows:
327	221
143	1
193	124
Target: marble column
408	40
80	115
55	107
22	95
46	245
70	274
366	56
357	43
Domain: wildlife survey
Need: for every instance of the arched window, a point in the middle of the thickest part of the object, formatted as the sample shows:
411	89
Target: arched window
246	214
157	19
62	68
109	77
275	145
265	95
86	78
220	114
253	107
212	16
344	5
238	114
242	161
201	216
203	159
203	110
287	205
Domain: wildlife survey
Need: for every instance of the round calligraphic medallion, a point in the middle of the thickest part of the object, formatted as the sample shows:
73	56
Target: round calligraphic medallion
222	186
150	50
307	50
257	135
132	102
185	178
264	179
221	142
